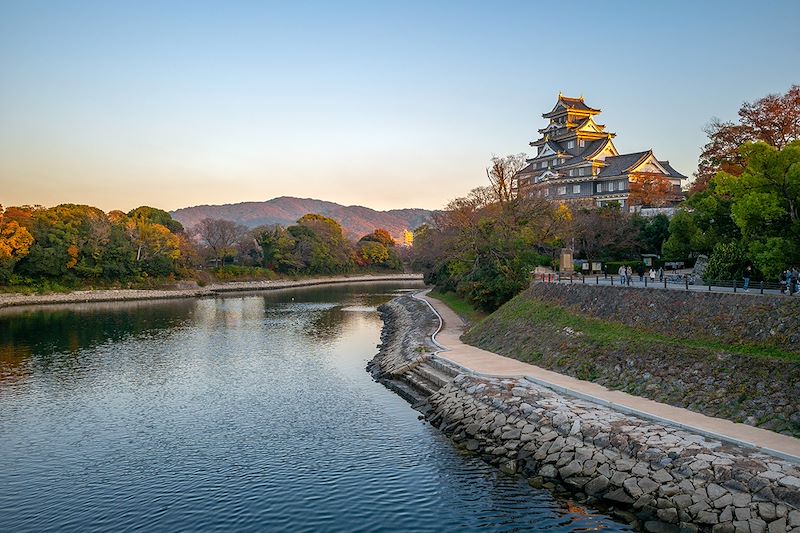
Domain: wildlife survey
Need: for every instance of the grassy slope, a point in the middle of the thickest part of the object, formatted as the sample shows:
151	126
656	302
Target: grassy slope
742	383
458	304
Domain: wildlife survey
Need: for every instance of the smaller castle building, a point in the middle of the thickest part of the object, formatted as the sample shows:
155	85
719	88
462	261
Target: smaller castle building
576	162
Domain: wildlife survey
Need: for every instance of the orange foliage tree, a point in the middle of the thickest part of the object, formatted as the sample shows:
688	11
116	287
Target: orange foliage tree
650	190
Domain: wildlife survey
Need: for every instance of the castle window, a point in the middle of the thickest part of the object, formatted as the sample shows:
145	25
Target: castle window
581	143
571	144
562	189
576	189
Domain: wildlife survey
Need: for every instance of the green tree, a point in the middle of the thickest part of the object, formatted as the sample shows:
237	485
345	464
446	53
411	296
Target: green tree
156	216
727	262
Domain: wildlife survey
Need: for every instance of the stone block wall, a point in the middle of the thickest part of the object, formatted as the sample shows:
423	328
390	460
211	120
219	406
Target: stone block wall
739	319
667	479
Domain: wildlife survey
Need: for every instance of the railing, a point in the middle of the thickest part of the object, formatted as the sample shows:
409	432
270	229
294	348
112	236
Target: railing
670	281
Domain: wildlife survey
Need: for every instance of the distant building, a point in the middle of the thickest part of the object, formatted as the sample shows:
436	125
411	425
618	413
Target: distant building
576	162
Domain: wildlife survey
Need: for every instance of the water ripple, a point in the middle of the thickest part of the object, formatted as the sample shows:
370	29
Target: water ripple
247	413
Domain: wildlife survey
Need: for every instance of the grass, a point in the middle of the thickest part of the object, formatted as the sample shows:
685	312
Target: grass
461	307
608	334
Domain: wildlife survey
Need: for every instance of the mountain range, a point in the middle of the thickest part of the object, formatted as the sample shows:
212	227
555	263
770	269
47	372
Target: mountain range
356	220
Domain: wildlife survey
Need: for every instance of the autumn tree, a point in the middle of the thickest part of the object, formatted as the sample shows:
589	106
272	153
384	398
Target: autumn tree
774	120
485	249
378	249
15	243
650	190
220	236
502	174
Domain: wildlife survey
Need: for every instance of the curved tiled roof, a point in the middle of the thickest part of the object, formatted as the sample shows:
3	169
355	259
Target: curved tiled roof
672	171
619	164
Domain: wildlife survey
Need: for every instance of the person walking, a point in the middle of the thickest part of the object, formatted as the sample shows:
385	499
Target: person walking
652	275
748	269
661	273
628	275
782	281
621	273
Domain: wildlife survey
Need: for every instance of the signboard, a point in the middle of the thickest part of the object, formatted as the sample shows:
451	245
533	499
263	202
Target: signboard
597	267
566	260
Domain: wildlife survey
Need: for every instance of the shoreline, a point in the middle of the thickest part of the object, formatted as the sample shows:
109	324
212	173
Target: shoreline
652	474
130	295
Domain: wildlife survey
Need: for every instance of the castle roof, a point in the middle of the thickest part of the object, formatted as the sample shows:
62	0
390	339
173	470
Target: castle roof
565	103
617	165
672	171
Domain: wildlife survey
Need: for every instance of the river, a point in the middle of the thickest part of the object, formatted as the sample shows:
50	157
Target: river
250	412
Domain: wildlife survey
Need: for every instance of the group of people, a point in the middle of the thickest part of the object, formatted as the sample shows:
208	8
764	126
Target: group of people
626	274
790	281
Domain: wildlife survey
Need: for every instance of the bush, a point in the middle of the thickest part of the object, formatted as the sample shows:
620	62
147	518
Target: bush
242	273
727	261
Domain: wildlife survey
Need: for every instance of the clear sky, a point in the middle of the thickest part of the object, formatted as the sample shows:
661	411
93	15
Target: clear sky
384	104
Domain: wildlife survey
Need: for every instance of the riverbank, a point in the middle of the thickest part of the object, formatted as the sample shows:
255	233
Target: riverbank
658	476
126	295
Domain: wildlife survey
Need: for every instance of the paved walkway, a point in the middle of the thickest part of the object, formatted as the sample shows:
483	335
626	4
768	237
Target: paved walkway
755	287
491	364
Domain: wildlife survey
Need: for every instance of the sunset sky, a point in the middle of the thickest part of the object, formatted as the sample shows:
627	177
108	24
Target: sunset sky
384	104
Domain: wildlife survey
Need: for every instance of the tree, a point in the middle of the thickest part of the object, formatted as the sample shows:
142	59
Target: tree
220	236
156	216
604	233
379	235
653	233
650	190
727	262
502	174
15	243
485	249
774	120
765	203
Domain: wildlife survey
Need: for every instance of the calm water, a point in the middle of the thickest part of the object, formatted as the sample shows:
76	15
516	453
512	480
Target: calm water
242	413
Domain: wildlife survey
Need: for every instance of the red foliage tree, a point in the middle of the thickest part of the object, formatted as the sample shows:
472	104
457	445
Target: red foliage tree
774	119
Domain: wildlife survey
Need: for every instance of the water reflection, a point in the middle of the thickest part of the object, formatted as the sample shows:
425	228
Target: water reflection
251	413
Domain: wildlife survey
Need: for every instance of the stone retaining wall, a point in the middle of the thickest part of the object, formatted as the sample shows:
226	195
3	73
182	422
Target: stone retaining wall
667	478
658	477
731	318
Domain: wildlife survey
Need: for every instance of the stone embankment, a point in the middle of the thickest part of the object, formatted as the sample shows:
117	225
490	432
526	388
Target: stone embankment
689	358
658	477
187	290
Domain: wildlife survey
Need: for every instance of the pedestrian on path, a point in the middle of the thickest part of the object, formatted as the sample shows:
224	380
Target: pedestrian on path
747	271
660	273
628	275
621	273
652	275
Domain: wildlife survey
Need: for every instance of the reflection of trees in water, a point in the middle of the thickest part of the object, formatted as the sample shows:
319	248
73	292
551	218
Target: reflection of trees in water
48	330
14	360
327	324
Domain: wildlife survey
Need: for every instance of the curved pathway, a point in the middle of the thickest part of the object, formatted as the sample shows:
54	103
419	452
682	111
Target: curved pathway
488	363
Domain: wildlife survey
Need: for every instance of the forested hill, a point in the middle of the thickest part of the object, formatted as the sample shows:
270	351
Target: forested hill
355	219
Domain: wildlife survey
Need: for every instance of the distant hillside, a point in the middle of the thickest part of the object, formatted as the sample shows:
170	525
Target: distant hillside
355	219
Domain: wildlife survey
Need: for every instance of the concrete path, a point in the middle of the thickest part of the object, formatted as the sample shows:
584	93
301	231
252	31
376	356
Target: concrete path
491	364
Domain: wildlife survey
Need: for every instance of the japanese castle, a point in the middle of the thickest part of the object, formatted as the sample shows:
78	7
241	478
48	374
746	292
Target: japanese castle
576	162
